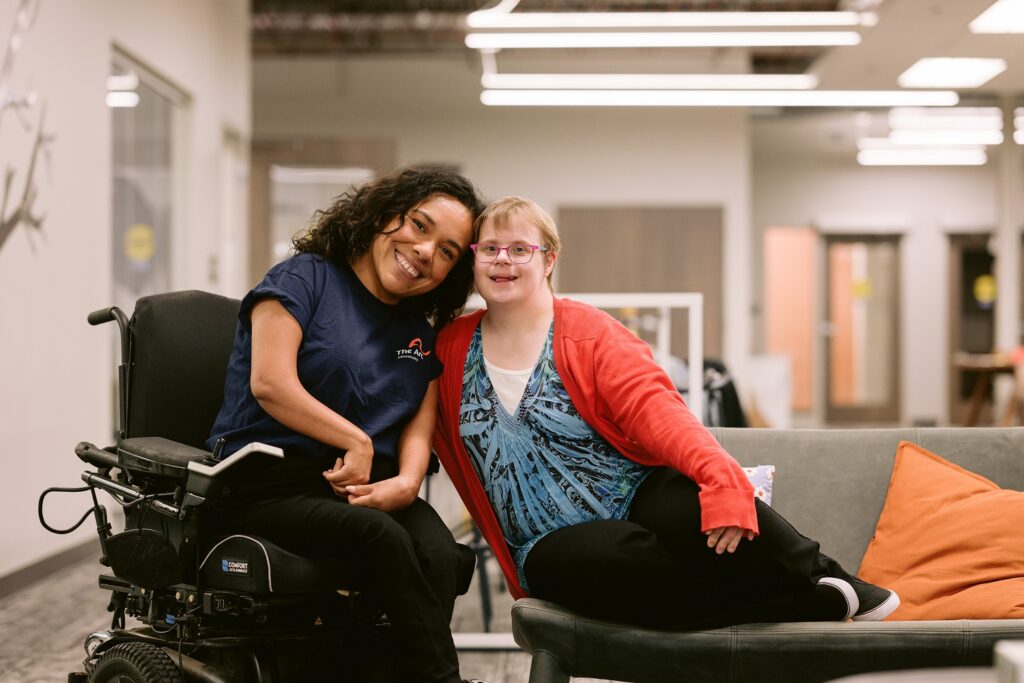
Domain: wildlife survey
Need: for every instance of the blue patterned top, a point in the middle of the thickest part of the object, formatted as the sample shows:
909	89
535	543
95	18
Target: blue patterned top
543	468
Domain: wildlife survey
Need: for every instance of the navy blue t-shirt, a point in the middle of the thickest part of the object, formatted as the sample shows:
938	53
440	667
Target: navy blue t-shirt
369	361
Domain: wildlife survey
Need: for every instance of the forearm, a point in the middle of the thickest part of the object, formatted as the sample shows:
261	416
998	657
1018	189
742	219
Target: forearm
291	405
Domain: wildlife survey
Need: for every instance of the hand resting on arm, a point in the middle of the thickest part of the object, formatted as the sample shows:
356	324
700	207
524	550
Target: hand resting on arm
275	384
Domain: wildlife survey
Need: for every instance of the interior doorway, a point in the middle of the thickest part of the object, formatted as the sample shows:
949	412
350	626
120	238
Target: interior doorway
971	315
861	334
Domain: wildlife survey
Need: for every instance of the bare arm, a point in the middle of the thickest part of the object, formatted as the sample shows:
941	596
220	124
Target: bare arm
274	382
413	459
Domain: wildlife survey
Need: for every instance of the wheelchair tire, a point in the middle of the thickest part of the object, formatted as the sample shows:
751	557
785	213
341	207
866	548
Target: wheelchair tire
135	662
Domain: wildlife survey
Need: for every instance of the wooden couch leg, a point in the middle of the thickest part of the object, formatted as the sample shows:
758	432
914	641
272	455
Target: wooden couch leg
546	669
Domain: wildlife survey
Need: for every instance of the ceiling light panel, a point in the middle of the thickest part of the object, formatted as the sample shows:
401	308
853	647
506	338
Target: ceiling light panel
958	118
500	41
650	81
1004	16
716	98
890	144
899	157
946	137
951	72
535	20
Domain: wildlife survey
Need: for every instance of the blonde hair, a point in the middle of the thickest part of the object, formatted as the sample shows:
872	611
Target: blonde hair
500	210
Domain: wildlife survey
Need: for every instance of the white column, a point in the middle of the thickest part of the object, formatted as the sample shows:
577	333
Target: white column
1009	219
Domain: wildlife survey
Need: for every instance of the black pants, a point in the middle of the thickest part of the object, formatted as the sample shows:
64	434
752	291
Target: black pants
406	561
655	569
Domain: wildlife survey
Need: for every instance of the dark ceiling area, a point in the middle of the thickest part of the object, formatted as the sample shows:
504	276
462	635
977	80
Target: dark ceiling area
338	27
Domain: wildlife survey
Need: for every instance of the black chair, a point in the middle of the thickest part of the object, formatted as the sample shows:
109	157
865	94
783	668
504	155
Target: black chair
212	608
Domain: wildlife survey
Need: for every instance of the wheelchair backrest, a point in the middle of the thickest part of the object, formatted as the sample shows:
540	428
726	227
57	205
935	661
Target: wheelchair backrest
180	344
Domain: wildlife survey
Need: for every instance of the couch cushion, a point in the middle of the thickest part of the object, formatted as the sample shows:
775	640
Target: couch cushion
948	541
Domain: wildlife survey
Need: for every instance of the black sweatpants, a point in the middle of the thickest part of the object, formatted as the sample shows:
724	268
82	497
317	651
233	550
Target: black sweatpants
655	570
406	561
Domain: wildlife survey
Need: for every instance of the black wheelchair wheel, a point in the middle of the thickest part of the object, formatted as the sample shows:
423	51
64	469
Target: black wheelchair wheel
135	662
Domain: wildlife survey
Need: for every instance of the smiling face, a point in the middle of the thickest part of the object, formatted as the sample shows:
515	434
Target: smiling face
502	281
414	254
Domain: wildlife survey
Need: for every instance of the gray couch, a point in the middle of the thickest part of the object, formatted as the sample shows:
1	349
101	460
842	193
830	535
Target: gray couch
831	485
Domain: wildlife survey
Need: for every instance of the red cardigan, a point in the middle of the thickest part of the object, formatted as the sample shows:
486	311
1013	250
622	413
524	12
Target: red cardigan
623	394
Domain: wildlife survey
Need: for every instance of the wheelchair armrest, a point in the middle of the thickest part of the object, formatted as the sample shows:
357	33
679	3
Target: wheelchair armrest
208	481
158	456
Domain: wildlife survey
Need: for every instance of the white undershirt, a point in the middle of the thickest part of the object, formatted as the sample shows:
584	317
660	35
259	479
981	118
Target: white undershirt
509	385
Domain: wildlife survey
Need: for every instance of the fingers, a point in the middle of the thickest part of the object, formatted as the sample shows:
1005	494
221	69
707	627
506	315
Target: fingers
359	490
346	475
727	539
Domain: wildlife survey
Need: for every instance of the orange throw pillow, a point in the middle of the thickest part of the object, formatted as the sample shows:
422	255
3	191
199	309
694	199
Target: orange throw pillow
949	541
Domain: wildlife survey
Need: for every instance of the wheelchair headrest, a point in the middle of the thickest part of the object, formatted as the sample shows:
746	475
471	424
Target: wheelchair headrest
180	344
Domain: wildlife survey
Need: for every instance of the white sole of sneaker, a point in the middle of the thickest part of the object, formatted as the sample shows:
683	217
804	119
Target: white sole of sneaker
887	607
844	587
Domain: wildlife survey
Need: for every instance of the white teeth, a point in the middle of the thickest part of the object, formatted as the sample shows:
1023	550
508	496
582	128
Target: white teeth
406	266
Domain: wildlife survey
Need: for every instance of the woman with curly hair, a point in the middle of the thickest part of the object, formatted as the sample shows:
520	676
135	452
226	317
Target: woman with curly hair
334	363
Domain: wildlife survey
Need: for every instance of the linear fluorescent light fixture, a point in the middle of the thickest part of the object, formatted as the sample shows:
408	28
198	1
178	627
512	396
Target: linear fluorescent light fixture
1018	137
959	118
493	19
905	136
922	144
502	41
900	157
1004	16
650	81
122	99
717	98
951	72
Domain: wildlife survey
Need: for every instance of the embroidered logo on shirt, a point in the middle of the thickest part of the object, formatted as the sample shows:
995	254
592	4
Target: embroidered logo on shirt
413	352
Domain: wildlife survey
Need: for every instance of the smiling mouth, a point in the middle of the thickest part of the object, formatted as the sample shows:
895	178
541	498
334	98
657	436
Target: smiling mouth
503	278
408	267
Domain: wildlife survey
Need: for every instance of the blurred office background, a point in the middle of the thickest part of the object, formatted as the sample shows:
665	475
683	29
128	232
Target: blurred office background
854	270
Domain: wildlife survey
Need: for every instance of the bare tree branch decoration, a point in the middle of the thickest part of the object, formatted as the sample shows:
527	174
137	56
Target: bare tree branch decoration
21	212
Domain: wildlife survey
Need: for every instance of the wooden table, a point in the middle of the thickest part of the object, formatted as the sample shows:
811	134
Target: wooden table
986	365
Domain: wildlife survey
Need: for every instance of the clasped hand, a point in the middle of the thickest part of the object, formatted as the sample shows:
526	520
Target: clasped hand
725	539
351	469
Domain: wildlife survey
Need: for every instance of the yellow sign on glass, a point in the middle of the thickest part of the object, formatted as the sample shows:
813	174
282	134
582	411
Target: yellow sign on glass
139	243
985	289
861	289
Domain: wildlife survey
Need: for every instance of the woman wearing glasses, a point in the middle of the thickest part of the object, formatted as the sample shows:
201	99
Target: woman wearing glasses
590	478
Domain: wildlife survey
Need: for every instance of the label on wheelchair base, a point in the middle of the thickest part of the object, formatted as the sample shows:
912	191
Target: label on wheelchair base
238	567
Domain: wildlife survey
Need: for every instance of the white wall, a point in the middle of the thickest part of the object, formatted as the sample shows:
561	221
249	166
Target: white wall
558	156
55	372
830	191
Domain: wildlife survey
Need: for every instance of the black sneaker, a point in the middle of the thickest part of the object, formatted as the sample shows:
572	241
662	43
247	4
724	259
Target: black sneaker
839	596
876	603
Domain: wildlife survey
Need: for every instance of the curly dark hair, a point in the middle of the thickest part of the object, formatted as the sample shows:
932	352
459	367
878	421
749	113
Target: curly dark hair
345	231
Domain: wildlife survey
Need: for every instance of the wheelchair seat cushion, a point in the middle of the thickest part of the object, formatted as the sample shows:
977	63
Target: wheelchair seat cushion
255	565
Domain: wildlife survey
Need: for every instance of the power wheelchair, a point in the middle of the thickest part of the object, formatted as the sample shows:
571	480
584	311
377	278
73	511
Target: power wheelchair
212	608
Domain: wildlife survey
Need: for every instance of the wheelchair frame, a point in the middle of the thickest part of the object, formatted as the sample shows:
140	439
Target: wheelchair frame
192	630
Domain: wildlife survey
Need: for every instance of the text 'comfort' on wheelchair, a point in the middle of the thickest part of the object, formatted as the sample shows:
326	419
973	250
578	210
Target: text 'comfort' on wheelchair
212	608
